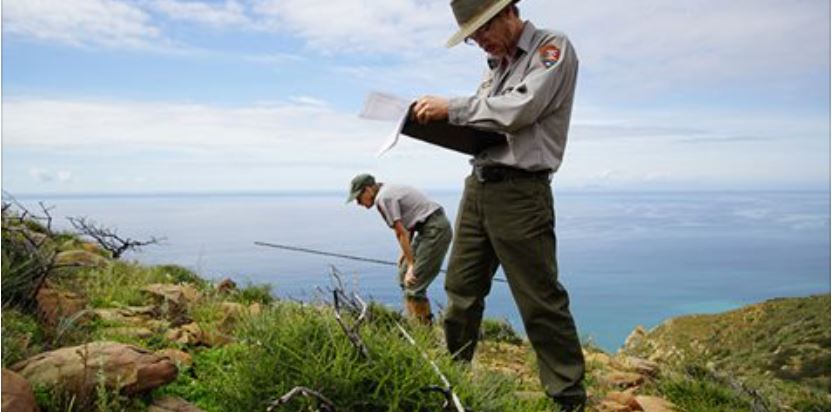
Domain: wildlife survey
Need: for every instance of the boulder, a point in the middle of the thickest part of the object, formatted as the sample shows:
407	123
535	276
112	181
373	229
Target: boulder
624	398
78	369
138	316
655	404
79	257
172	404
611	406
54	304
642	366
179	295
232	312
180	358
623	379
17	393
225	286
129	331
189	334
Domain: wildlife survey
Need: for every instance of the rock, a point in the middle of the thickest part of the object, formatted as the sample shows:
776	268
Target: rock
180	295
255	309
93	247
611	406
17	393
233	309
79	257
78	369
634	339
624	398
172	404
598	358
225	286
232	312
642	366
129	331
135	315
180	358
654	404
189	334
138	316
623	379
54	304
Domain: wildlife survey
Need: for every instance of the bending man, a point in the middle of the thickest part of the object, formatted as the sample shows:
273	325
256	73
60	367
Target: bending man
423	233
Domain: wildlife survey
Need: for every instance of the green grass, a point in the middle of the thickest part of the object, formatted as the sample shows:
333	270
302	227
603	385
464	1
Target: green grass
780	348
22	336
292	345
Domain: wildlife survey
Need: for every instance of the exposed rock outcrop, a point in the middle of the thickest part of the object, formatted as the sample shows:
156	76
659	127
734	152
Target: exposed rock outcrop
17	393
78	369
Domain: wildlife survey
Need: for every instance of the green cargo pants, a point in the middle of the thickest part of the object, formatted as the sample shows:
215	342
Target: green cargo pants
511	223
429	248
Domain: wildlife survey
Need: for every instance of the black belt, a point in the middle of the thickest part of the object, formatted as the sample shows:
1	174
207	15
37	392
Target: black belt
419	225
486	174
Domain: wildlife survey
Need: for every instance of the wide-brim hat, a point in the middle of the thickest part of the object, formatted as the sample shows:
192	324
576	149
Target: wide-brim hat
472	14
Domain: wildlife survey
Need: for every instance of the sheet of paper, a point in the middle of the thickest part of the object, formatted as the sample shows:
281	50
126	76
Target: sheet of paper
383	106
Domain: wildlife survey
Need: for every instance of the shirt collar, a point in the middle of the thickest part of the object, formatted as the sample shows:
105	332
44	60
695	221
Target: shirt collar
524	45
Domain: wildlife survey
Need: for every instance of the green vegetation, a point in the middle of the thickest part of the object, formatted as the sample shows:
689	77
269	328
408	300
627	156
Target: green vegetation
779	348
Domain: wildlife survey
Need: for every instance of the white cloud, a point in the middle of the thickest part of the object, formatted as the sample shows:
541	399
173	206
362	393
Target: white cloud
47	176
230	13
64	176
40	175
401	27
656	44
302	125
100	23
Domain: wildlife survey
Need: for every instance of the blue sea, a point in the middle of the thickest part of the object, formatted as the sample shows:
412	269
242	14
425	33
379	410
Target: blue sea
626	258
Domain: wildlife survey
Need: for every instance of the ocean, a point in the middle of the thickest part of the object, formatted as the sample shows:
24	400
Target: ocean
626	258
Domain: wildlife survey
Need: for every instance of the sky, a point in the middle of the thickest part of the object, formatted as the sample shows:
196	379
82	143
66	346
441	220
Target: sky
164	96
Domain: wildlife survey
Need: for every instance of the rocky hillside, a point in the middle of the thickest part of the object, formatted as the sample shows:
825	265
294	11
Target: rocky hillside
776	352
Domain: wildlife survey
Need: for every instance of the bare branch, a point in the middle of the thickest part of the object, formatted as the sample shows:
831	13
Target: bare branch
324	404
108	239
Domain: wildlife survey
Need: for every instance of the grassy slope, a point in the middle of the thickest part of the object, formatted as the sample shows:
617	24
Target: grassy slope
780	348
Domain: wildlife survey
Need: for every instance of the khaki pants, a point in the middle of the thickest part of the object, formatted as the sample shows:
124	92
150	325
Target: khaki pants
429	248
511	223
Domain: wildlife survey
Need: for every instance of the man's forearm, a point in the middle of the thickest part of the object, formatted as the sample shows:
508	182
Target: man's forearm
405	242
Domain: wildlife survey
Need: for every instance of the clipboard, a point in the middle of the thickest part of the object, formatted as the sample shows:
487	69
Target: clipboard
462	139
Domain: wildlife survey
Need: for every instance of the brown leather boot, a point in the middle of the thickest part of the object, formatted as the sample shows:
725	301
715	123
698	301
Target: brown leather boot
419	310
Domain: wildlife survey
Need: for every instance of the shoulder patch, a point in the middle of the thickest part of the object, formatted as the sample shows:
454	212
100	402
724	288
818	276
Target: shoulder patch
549	55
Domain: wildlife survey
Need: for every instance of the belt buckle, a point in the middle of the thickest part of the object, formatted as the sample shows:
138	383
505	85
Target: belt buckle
487	174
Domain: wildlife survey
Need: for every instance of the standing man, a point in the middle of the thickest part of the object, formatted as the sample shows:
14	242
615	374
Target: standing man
506	215
423	233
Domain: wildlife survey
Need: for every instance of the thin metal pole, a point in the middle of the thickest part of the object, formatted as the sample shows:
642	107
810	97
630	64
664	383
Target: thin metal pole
340	255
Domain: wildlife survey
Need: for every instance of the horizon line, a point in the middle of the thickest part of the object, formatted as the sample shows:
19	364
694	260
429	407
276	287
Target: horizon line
330	192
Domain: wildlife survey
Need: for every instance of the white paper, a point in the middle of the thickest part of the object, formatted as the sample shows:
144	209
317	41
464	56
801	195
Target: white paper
383	106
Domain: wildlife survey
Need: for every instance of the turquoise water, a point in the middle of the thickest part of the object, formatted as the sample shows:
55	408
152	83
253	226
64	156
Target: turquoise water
626	258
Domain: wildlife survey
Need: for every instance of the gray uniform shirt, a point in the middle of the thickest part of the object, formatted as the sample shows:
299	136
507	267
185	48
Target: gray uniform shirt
529	100
403	203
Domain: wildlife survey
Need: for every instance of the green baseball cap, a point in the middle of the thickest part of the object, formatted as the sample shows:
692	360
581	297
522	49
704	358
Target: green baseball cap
359	182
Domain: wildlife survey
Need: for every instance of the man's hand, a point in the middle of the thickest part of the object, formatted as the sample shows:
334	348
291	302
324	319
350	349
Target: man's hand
410	279
430	108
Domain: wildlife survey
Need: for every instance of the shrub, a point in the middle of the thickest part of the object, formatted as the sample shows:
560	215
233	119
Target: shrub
22	336
499	331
